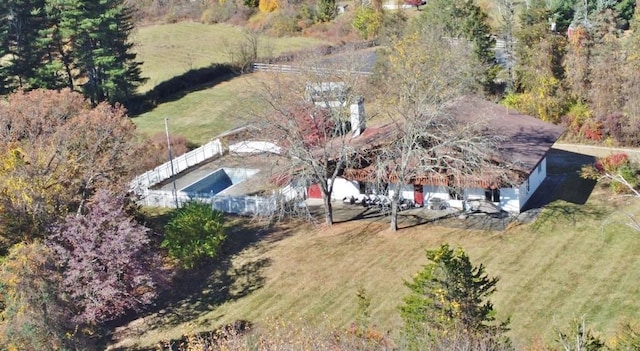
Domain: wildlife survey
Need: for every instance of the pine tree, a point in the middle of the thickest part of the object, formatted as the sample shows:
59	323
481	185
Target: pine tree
20	24
464	19
79	44
102	50
449	297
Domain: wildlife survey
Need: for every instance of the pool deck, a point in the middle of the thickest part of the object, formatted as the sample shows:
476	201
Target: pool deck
258	183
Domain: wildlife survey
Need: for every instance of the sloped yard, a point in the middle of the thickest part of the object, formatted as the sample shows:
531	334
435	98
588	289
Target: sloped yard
576	259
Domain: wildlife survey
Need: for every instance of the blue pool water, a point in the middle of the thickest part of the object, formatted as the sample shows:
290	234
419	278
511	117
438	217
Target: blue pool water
219	180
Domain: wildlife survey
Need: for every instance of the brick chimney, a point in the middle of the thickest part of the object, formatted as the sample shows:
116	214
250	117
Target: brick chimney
357	116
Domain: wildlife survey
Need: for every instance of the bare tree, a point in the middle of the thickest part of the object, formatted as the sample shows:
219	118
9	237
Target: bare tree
308	115
507	11
425	71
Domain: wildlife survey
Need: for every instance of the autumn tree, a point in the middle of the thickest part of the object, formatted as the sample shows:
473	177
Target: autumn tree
507	10
105	261
607	67
309	116
632	69
56	151
539	71
425	72
618	171
33	317
448	299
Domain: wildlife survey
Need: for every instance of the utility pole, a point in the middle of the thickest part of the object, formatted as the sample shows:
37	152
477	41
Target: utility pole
173	174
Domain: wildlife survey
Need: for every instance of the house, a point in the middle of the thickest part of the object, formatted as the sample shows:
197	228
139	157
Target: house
525	142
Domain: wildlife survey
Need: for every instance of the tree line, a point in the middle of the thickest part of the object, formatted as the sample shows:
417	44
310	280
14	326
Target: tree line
76	250
81	45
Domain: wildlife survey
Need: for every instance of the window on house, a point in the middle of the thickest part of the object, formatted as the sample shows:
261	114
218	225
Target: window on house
492	195
539	168
455	193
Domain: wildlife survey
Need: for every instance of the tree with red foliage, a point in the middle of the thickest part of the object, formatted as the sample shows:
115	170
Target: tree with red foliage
55	151
617	169
313	132
416	3
105	261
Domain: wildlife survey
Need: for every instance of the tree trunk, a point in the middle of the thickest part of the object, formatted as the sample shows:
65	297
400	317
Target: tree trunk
394	209
328	210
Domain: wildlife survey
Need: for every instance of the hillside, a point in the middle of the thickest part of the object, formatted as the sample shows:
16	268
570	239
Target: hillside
574	260
170	50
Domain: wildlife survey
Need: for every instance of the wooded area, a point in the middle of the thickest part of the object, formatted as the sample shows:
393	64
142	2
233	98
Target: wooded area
77	253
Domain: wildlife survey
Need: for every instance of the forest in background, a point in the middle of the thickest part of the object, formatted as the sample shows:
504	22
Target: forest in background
66	161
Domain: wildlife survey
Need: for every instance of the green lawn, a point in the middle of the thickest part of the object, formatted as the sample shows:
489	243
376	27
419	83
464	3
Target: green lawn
574	261
169	50
201	115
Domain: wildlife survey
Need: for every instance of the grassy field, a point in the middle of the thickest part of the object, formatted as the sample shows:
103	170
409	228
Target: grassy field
169	50
202	114
573	261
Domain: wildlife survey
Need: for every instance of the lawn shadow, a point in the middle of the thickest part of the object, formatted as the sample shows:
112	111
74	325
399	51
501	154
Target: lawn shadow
195	292
563	181
562	211
177	87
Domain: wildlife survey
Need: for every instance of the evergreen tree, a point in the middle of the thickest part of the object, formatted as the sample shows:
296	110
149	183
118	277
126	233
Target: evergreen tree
449	297
102	50
20	24
465	20
79	44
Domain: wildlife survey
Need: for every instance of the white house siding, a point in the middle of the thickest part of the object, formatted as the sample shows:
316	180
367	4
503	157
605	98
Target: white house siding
532	183
406	191
509	199
344	188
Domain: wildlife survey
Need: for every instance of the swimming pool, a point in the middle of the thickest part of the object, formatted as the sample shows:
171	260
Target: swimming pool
219	180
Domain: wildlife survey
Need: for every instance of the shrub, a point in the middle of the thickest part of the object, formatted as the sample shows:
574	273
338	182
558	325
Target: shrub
592	130
326	10
617	169
283	24
155	150
195	232
367	22
268	5
624	130
218	12
578	114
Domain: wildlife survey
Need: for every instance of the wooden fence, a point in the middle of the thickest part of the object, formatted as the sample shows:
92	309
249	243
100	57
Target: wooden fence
267	67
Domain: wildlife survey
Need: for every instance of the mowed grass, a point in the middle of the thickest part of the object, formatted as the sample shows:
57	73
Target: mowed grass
168	50
574	261
202	114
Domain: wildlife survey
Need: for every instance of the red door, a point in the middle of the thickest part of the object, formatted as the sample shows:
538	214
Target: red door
418	195
314	192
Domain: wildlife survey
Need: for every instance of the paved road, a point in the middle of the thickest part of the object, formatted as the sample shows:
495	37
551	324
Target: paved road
598	151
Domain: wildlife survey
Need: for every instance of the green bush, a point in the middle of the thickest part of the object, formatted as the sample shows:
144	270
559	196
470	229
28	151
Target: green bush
326	10
195	232
367	22
283	24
